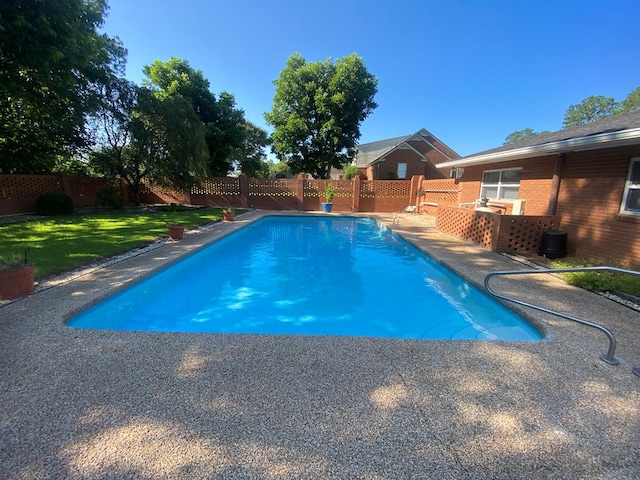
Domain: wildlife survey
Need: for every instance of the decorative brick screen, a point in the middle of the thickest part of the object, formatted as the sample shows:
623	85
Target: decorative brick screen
28	186
478	227
272	187
88	186
217	186
315	188
441	191
523	234
385	189
500	233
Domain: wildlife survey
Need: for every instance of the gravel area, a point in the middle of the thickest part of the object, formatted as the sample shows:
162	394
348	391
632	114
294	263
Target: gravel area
84	404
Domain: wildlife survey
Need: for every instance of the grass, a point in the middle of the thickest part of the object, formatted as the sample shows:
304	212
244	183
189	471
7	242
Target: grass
62	243
598	281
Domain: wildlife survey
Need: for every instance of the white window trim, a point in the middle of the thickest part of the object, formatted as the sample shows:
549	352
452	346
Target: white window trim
628	186
500	184
405	170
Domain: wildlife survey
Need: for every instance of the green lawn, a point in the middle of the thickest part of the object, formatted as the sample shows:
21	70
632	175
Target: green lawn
62	243
598	281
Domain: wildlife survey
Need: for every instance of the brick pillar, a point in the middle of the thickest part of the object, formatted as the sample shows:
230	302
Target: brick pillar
300	192
355	207
125	191
244	191
416	184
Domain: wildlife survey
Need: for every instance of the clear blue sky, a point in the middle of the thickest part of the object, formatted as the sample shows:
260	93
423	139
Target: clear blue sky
470	72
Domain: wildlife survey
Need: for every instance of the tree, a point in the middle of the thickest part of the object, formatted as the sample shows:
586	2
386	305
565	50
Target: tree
223	122
52	62
279	170
589	110
317	111
250	157
521	135
631	102
350	171
147	137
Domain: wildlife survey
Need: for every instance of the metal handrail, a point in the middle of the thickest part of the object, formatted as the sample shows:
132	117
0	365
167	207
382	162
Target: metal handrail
606	357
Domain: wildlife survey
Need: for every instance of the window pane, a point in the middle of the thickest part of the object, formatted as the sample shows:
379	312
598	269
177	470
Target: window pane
511	176
509	193
402	170
633	201
490	177
635	173
489	192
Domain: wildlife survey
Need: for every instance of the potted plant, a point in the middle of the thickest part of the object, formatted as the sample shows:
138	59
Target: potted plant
176	231
329	193
16	276
228	213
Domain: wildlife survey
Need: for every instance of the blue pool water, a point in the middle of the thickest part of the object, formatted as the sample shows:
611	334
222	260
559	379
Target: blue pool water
310	275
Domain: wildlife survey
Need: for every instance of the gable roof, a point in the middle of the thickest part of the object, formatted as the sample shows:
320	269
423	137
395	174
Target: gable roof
612	131
368	153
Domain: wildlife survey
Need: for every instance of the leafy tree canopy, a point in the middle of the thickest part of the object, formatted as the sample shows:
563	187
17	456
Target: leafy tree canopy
250	157
52	63
224	123
631	102
146	137
590	109
317	112
520	135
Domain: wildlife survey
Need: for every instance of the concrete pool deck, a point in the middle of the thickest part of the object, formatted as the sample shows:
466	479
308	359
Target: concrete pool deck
82	404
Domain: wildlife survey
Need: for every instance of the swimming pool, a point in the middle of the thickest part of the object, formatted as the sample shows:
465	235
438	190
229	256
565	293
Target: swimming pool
310	275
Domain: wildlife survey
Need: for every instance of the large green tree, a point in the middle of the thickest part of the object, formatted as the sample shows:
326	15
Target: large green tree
223	122
631	102
589	110
53	61
250	158
144	137
521	135
317	111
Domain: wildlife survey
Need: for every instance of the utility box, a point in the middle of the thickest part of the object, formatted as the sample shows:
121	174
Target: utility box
554	244
518	207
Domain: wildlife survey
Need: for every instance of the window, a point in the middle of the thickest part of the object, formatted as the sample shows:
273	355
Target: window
501	184
631	197
402	170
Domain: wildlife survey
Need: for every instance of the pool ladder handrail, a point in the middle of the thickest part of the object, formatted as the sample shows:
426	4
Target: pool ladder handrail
608	357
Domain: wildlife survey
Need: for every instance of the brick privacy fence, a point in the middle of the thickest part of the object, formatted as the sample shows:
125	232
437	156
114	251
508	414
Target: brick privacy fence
499	233
18	193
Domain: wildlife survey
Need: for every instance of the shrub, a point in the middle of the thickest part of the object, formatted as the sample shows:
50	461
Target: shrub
172	207
329	192
110	197
350	171
54	203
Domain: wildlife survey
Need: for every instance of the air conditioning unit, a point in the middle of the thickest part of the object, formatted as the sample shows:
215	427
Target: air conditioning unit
456	172
518	207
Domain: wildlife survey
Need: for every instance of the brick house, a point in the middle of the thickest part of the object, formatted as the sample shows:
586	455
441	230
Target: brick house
403	157
588	176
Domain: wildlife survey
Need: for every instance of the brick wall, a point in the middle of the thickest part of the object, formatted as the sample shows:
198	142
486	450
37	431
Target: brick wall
589	203
591	188
535	185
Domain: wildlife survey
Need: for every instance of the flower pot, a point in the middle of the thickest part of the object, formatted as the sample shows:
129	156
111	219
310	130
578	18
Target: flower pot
228	215
16	283
326	207
176	231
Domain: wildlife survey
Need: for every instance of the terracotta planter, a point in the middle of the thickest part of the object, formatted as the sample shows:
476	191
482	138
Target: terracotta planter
227	215
16	283
176	232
